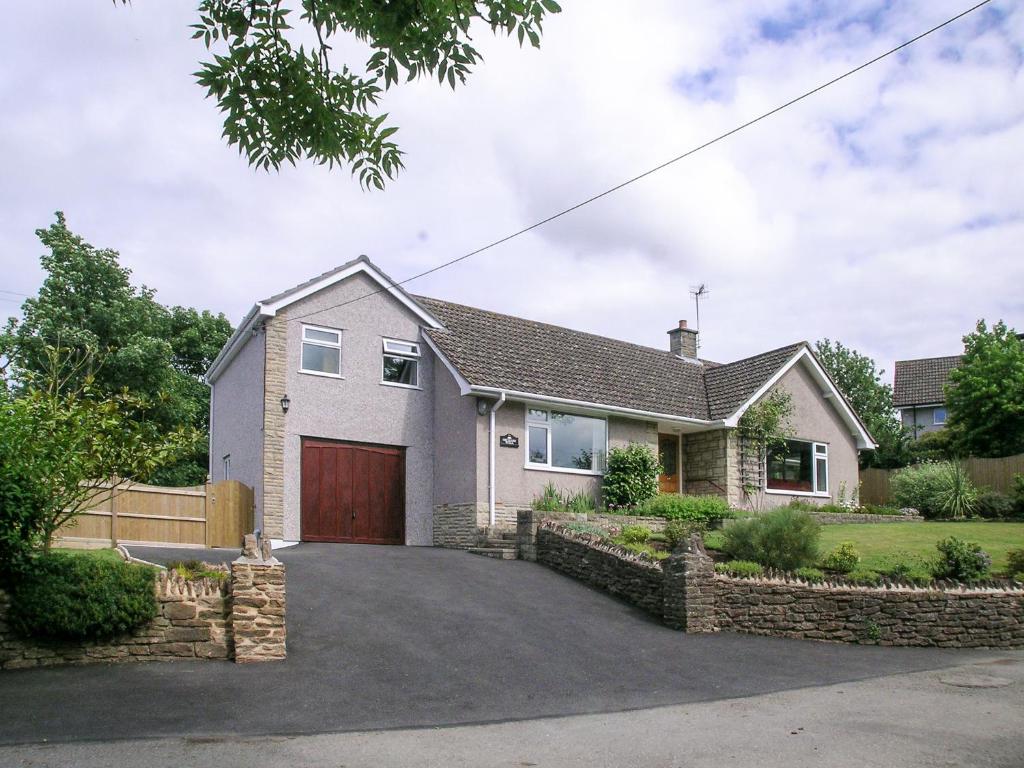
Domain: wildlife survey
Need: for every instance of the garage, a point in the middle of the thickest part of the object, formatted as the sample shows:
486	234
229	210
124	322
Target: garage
352	492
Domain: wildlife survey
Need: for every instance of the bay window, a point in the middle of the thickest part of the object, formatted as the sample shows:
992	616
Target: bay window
799	467
565	441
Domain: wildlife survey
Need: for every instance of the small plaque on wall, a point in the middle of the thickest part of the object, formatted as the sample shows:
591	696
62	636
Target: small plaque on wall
508	441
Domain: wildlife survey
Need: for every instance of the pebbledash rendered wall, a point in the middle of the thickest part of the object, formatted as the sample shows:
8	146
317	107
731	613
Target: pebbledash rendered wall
686	593
240	617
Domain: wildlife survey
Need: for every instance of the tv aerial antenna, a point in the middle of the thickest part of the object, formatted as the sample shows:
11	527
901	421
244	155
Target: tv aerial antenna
699	292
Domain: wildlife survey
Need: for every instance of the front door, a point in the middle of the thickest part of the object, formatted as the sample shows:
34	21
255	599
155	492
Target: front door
668	457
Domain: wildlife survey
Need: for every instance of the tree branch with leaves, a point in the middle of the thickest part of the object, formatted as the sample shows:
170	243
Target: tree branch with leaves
284	102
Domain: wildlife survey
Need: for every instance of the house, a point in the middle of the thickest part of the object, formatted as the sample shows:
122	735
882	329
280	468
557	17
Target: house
361	413
919	394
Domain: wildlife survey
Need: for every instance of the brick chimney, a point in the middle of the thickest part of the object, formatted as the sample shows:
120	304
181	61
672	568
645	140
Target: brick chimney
682	341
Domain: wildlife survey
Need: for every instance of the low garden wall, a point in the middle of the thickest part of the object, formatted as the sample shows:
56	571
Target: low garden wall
633	578
528	522
839	518
240	617
687	594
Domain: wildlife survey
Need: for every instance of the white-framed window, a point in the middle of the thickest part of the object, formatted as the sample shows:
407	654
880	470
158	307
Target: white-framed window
565	442
801	467
227	466
400	366
938	417
321	351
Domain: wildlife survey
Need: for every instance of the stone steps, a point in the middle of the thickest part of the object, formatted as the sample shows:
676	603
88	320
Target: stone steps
496	552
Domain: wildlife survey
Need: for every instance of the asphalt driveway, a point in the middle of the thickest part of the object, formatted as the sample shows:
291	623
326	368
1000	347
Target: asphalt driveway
393	637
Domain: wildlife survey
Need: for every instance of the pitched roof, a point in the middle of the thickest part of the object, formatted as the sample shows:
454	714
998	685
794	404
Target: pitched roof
505	352
729	386
921	382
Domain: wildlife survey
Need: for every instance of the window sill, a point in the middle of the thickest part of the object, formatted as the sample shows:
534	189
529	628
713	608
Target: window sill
564	470
814	494
321	374
400	386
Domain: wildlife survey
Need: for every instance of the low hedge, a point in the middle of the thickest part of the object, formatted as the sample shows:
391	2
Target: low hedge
674	506
68	597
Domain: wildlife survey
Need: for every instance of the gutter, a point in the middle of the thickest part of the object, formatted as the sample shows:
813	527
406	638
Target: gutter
491	479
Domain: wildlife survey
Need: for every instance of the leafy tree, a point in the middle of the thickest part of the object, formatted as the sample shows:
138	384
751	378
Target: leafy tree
61	445
860	380
985	393
87	303
284	102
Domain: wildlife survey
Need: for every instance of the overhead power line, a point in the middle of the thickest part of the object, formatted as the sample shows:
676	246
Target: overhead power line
660	166
13	293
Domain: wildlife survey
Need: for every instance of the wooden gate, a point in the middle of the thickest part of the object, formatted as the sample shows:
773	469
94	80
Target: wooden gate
212	515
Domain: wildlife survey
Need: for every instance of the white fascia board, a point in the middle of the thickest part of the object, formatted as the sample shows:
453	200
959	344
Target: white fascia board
832	395
272	308
600	407
464	386
238	340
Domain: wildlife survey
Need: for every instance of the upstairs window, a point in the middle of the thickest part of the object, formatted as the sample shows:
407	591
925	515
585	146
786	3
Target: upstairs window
800	467
401	366
321	351
565	441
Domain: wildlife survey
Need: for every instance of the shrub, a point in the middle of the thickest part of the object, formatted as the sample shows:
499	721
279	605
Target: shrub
646	549
1015	561
635	534
550	499
76	597
673	506
593	530
908	568
961	560
1018	493
813	575
993	505
193	570
631	477
21	525
784	538
844	558
864	577
677	531
579	502
741	568
879	509
937	490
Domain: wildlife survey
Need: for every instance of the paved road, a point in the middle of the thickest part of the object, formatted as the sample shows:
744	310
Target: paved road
394	637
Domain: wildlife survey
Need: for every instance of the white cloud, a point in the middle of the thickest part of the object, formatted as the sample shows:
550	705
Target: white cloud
884	211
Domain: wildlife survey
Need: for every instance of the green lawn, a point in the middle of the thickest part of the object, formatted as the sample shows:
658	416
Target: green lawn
878	543
100	554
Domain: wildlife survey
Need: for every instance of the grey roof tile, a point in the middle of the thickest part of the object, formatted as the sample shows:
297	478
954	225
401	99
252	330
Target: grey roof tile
505	352
921	382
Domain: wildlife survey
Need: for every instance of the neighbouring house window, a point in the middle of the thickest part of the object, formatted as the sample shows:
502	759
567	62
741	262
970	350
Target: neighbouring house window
321	351
939	417
801	467
401	363
565	441
227	466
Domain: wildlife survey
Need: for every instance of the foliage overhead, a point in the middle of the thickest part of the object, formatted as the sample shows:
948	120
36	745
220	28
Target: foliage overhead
765	424
286	95
88	307
985	393
860	381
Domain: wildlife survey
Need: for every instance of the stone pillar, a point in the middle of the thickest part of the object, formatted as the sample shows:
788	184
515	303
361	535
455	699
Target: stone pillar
526	534
689	601
274	381
257	604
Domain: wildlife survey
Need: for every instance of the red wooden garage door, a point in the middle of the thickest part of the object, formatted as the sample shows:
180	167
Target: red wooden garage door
353	493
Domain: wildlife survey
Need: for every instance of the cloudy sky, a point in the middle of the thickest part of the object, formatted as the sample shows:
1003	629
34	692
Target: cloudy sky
887	211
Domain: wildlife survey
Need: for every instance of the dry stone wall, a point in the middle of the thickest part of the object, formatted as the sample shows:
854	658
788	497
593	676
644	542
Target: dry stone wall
193	622
687	594
610	568
240	617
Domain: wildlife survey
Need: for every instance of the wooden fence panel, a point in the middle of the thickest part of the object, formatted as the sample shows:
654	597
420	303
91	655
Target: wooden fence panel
215	515
997	474
874	486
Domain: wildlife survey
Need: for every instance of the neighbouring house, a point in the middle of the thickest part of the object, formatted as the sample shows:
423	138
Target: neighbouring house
919	392
361	413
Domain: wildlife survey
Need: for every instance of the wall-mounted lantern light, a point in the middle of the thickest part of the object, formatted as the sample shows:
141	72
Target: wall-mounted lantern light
482	406
285	404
